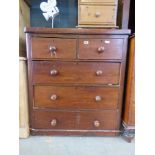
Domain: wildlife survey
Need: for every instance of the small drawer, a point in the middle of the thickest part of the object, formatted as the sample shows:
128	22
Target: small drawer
53	48
75	72
97	14
105	120
54	120
73	98
99	1
100	48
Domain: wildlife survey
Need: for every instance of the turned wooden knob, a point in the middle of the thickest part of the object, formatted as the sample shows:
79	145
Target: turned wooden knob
54	72
96	123
54	97
98	98
53	122
101	49
99	72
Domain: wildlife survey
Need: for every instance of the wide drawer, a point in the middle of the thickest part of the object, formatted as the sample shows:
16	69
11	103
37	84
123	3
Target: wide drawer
71	97
76	72
100	48
97	14
53	48
105	120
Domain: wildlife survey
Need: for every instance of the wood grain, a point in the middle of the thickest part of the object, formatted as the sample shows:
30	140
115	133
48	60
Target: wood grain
39	30
113	48
76	82
98	1
97	14
65	48
74	98
72	120
75	72
129	113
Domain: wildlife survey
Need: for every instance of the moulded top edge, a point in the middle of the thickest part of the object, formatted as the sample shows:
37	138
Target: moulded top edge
83	31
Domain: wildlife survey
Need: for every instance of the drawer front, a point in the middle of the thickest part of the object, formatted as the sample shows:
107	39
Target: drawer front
76	72
100	48
97	14
75	120
98	1
68	97
53	48
105	120
54	120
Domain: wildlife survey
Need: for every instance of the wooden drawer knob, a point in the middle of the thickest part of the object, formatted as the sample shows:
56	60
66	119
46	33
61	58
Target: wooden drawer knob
54	72
99	72
53	122
52	49
98	98
96	123
101	49
54	97
97	14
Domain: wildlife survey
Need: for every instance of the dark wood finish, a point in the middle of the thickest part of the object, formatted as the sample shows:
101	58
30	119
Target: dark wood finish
91	48
106	120
64	48
84	98
78	31
129	109
75	120
132	16
76	72
125	14
75	132
64	120
82	78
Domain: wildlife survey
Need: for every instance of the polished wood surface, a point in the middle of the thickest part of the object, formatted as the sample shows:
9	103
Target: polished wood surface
75	120
104	120
64	48
77	96
129	109
84	98
76	72
125	14
90	48
78	31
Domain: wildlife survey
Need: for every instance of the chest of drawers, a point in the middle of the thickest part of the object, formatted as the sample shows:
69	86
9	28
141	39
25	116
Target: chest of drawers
97	13
76	79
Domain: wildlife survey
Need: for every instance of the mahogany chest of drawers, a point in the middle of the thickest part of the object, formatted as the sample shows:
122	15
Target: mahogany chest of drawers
76	80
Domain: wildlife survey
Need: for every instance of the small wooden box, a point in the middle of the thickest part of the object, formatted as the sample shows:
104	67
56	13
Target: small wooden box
100	13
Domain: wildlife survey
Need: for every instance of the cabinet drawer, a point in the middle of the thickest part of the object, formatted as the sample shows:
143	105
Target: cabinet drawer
54	120
100	48
53	48
105	120
76	72
68	97
98	1
97	14
75	120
